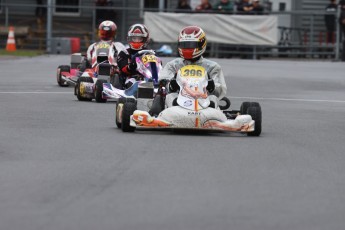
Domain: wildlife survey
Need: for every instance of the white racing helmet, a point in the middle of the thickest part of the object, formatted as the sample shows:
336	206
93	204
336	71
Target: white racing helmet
191	42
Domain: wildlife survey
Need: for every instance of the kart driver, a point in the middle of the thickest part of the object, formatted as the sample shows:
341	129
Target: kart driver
138	38
191	45
106	33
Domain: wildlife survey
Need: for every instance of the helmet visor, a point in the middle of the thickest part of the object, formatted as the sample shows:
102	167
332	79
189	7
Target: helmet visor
136	39
189	45
106	34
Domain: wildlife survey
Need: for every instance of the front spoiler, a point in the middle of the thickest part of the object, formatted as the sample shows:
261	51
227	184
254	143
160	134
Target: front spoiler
69	80
110	92
242	123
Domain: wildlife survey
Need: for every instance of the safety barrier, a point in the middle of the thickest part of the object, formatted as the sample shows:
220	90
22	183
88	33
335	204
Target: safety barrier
296	38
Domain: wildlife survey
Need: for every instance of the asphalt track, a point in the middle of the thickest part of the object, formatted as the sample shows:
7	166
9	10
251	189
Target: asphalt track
64	165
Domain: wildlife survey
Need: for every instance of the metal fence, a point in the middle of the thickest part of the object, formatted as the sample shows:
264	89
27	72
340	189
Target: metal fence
302	34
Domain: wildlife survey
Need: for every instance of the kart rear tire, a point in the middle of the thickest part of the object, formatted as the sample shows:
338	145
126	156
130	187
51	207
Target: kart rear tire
77	88
227	105
246	105
127	111
256	114
62	68
99	91
117	116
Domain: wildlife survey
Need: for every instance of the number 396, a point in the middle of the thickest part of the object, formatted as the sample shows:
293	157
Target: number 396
192	73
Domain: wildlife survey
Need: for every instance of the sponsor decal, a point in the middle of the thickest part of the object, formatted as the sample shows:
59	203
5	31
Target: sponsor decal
87	87
140	118
103	46
188	103
81	89
194	113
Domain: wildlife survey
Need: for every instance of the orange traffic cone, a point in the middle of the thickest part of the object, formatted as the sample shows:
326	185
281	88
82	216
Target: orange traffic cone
11	43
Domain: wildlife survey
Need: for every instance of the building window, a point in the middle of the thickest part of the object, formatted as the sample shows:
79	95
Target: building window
151	4
62	10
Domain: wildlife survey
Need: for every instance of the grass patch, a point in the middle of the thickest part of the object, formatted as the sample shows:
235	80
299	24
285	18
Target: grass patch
21	53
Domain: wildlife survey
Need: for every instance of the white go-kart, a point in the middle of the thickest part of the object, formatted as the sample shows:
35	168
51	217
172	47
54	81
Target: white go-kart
193	109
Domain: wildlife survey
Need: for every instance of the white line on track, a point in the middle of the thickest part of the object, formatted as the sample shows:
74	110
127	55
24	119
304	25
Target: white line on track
249	98
36	92
289	99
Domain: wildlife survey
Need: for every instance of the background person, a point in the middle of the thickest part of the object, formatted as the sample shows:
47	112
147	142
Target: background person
224	6
138	38
183	6
330	21
106	33
104	13
40	11
342	16
244	7
257	8
205	6
342	26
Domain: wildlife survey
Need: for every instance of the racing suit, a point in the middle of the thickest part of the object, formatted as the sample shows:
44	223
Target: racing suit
90	53
117	46
213	69
124	60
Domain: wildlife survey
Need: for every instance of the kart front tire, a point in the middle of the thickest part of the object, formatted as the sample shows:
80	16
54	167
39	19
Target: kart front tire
256	114
60	69
127	110
77	89
99	91
118	109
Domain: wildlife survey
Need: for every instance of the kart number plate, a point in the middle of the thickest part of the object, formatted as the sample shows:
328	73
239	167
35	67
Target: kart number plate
192	71
103	46
149	58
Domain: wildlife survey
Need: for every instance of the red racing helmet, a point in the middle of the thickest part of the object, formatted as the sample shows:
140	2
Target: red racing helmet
107	30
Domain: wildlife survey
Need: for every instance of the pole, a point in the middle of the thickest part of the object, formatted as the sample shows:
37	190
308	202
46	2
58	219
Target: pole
161	5
49	26
6	17
93	25
337	44
311	34
123	22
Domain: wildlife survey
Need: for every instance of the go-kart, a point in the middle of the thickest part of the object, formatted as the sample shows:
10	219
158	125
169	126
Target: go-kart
144	85
103	69
67	75
193	109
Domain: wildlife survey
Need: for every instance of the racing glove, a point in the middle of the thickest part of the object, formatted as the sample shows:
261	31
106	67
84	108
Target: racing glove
210	86
132	67
173	86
